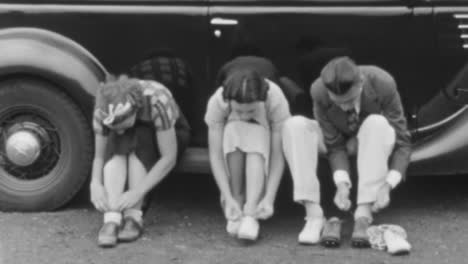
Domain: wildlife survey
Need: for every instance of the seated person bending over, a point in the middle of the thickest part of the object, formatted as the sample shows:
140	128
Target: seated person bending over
245	117
359	113
139	132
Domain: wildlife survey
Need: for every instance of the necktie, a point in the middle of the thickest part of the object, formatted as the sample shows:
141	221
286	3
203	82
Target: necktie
353	120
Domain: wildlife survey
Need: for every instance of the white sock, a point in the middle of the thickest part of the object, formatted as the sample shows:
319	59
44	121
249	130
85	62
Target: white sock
114	217
135	214
313	210
363	211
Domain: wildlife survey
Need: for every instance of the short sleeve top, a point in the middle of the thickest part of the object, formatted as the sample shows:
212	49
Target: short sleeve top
158	107
271	116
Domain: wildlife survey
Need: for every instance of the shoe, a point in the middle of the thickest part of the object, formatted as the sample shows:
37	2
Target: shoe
396	244
359	238
232	227
331	235
107	236
131	230
312	230
248	229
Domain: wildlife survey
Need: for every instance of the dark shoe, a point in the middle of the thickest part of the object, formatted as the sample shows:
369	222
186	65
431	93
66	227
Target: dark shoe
130	231
107	236
331	235
359	238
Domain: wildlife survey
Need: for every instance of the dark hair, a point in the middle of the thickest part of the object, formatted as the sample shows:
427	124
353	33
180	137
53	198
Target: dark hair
245	86
118	90
340	74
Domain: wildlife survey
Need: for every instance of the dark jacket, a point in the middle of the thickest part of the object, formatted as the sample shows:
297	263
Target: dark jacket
379	96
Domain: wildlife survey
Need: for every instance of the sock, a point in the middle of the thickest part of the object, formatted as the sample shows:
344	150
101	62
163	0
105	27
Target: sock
135	214
313	210
363	210
114	217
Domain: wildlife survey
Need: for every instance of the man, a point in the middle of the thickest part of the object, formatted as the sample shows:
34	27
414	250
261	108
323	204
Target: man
359	112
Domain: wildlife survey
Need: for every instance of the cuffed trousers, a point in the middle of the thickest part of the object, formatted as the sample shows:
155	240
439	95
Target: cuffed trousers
303	142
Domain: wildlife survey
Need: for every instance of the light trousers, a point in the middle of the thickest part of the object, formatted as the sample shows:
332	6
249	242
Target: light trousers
303	142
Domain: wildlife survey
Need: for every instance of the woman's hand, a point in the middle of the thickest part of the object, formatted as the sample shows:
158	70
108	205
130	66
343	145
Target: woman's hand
99	196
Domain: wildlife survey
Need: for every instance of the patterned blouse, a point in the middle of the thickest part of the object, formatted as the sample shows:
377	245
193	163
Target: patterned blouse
159	108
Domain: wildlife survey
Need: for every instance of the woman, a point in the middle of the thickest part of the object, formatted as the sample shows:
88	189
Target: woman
139	132
244	117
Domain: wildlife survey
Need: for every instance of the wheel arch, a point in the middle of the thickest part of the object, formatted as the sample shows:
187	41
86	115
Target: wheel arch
68	64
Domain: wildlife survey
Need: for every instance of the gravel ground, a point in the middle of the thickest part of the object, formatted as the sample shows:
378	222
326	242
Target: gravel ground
185	225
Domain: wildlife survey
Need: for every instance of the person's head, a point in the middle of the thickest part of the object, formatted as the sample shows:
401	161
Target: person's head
117	101
343	80
245	91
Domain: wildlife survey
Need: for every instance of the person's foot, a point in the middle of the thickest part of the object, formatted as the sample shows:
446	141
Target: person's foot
396	243
232	227
131	230
248	229
312	230
331	235
107	236
359	238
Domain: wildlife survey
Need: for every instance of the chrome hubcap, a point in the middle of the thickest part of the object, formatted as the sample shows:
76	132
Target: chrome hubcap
23	148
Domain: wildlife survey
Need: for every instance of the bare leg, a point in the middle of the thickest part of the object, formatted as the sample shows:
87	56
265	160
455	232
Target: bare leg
115	175
236	166
255	182
137	172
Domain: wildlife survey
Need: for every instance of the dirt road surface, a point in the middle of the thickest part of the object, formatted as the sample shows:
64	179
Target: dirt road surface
185	225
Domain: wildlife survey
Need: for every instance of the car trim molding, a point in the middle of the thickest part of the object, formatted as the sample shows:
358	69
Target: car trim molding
100	9
361	11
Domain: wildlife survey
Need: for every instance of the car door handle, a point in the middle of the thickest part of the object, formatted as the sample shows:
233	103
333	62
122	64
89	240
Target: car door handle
219	21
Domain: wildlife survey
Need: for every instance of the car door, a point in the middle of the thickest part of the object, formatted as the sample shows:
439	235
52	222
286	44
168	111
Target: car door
386	33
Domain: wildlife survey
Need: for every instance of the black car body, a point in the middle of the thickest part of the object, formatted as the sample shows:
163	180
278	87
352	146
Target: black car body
68	46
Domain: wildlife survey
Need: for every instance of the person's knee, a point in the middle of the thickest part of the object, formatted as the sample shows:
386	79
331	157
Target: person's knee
374	125
115	162
296	123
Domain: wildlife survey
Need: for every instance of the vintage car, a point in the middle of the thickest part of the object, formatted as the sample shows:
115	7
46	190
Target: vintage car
54	54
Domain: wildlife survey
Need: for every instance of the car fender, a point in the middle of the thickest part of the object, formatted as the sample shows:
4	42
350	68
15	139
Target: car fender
448	143
51	56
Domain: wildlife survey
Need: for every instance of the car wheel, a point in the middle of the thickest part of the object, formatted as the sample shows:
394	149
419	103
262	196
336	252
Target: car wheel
46	146
170	70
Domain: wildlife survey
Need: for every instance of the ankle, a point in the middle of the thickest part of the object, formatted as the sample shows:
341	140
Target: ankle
363	211
113	217
313	210
135	214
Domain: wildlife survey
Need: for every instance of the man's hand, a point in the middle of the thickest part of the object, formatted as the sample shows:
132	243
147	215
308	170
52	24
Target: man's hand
129	199
383	198
232	210
264	209
99	197
342	197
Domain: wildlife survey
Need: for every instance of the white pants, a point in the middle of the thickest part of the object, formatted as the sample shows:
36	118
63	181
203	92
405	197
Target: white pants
303	142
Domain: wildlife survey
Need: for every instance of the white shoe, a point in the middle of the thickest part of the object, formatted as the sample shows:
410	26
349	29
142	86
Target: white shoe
396	244
232	227
312	231
248	229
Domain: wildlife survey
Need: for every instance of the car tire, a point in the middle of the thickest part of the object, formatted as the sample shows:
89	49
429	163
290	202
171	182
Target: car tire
53	126
167	69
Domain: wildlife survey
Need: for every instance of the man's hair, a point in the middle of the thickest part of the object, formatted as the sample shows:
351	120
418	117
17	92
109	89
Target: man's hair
115	91
340	74
245	86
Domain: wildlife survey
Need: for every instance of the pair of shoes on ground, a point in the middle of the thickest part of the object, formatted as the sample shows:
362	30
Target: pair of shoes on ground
111	233
331	236
247	228
388	237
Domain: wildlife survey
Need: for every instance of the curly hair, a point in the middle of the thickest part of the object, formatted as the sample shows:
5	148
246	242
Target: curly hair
115	91
245	86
